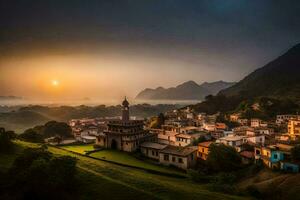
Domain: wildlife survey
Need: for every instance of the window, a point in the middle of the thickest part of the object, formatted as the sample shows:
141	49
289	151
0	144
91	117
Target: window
275	156
180	160
166	157
192	156
152	153
173	159
156	153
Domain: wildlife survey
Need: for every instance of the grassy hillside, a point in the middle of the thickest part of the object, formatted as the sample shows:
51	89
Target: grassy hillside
274	185
108	181
123	158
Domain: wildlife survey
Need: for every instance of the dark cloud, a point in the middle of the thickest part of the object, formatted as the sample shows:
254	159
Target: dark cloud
240	33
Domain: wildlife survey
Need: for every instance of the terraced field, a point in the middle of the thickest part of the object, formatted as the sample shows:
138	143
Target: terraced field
106	180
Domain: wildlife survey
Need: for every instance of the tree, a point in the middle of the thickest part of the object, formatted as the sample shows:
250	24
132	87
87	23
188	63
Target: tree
37	174
160	119
223	158
157	122
50	129
31	135
295	153
54	128
6	145
200	139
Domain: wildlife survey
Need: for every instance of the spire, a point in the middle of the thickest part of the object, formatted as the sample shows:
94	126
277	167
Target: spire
125	110
125	103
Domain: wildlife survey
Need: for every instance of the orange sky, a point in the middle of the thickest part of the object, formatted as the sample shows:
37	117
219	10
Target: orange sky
92	76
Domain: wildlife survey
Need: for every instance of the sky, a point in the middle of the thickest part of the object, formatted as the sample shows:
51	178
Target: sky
63	49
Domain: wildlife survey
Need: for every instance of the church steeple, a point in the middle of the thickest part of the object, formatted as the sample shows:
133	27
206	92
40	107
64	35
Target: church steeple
125	110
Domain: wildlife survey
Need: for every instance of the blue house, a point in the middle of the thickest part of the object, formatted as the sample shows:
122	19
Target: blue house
289	167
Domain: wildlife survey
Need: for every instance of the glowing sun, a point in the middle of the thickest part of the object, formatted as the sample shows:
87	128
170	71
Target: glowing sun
55	83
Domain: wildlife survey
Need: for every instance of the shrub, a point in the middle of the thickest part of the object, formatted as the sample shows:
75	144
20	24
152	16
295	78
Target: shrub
198	177
253	191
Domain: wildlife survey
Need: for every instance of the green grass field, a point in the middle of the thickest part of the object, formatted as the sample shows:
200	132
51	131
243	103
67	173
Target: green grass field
103	180
120	157
129	159
82	148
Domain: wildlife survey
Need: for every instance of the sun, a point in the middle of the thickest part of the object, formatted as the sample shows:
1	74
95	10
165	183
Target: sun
55	83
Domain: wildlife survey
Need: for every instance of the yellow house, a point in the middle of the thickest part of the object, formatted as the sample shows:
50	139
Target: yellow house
203	150
294	128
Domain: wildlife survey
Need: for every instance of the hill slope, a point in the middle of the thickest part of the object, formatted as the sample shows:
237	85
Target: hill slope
189	90
279	78
110	181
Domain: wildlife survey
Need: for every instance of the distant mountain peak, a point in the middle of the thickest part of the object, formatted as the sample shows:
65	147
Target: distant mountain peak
188	90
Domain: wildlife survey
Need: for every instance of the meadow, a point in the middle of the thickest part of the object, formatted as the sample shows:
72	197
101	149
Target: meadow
123	158
100	179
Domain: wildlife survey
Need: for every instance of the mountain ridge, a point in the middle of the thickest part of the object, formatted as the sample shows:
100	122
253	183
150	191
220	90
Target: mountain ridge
278	78
189	90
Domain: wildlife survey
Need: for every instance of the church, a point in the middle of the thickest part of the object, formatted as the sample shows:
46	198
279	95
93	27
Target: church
125	134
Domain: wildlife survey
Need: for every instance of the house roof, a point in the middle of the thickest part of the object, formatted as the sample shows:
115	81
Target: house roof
153	145
189	128
180	151
88	137
182	135
247	154
205	144
232	138
169	133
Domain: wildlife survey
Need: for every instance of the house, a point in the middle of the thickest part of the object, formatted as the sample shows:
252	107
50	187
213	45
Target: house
294	128
255	138
190	115
270	156
181	157
282	119
203	149
242	130
221	126
226	133
183	139
88	139
255	122
233	140
289	167
276	157
264	131
188	129
209	126
234	117
247	156
151	149
167	137
243	121
217	134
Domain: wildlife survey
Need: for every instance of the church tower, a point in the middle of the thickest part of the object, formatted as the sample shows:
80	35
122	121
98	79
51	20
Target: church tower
125	110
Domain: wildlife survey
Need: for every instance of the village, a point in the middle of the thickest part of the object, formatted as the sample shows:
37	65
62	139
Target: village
184	138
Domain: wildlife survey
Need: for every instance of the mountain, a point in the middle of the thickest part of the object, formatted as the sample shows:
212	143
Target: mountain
279	78
215	87
10	98
189	90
